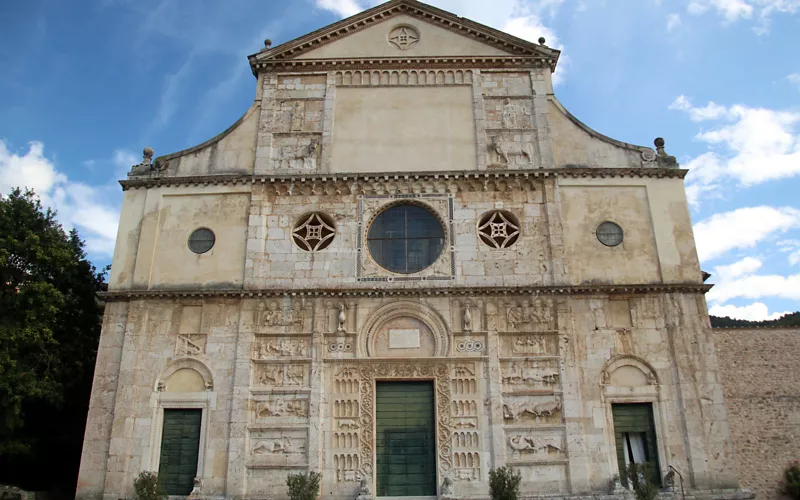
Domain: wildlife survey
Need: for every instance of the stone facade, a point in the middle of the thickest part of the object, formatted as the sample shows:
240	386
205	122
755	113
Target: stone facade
529	326
762	393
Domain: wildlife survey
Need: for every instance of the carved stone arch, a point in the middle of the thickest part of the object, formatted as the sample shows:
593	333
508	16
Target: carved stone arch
628	363
182	364
399	309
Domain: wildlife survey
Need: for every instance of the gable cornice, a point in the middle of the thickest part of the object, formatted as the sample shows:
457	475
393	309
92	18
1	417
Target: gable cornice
440	18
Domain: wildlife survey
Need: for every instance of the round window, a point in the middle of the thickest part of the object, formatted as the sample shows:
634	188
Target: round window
201	240
314	232
498	229
609	234
405	238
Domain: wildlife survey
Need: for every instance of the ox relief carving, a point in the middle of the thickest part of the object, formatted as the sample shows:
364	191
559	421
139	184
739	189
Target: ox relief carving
540	411
363	421
506	151
535	447
297	153
282	407
286	375
267	348
190	344
530	316
532	374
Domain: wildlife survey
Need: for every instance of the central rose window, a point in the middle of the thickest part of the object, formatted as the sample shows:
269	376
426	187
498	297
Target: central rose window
405	238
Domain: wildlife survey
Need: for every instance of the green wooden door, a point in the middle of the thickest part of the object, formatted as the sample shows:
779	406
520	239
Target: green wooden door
406	437
635	421
180	446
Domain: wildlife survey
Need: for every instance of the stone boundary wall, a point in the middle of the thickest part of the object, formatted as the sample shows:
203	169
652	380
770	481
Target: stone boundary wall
761	379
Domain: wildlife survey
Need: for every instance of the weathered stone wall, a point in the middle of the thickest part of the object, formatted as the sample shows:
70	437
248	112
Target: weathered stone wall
762	392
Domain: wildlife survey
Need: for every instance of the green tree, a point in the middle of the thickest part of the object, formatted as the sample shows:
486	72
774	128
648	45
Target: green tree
49	329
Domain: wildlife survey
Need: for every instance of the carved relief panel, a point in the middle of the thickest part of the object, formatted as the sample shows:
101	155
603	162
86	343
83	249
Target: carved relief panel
531	315
535	446
529	345
278	447
190	344
281	408
531	374
467	443
278	376
277	347
282	316
532	410
344	405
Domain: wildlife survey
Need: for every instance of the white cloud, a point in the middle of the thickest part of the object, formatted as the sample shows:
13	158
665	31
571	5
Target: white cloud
756	287
519	18
87	208
794	78
673	21
343	8
791	247
741	228
757	311
748	145
739	280
746	266
734	10
711	111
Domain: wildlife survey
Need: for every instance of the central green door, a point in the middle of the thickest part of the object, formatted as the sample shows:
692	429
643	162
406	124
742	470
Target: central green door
406	437
180	446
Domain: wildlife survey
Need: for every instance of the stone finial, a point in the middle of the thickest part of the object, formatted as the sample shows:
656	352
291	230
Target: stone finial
541	40
146	165
662	155
267	43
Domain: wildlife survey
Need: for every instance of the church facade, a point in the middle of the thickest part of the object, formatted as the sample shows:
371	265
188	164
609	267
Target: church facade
405	265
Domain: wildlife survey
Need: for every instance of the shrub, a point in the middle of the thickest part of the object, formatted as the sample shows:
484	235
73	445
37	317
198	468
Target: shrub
504	483
638	476
792	479
303	486
146	486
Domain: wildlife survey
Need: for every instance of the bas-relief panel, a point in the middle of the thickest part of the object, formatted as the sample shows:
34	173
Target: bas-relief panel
278	447
276	316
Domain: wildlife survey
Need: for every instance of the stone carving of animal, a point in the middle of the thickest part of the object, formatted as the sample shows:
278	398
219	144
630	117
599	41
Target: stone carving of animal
506	149
279	445
547	408
348	424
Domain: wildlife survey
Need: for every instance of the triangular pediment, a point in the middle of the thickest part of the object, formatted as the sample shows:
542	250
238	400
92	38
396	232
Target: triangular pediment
405	29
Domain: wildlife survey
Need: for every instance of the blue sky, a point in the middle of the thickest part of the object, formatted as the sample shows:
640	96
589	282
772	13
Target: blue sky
88	84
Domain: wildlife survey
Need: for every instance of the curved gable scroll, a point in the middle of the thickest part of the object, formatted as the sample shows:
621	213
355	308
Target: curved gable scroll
628	371
190	364
397	311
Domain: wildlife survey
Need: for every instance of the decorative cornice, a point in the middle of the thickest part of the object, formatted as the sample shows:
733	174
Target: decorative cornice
432	15
415	291
401	182
440	62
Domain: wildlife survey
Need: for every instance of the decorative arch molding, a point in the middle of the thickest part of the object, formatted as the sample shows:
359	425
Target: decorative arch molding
407	309
184	363
629	360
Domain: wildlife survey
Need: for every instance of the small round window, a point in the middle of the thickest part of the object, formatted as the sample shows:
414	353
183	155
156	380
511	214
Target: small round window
498	229
405	238
201	240
609	234
314	232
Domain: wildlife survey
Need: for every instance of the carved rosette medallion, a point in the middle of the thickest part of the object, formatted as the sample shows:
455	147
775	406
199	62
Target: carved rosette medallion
404	37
